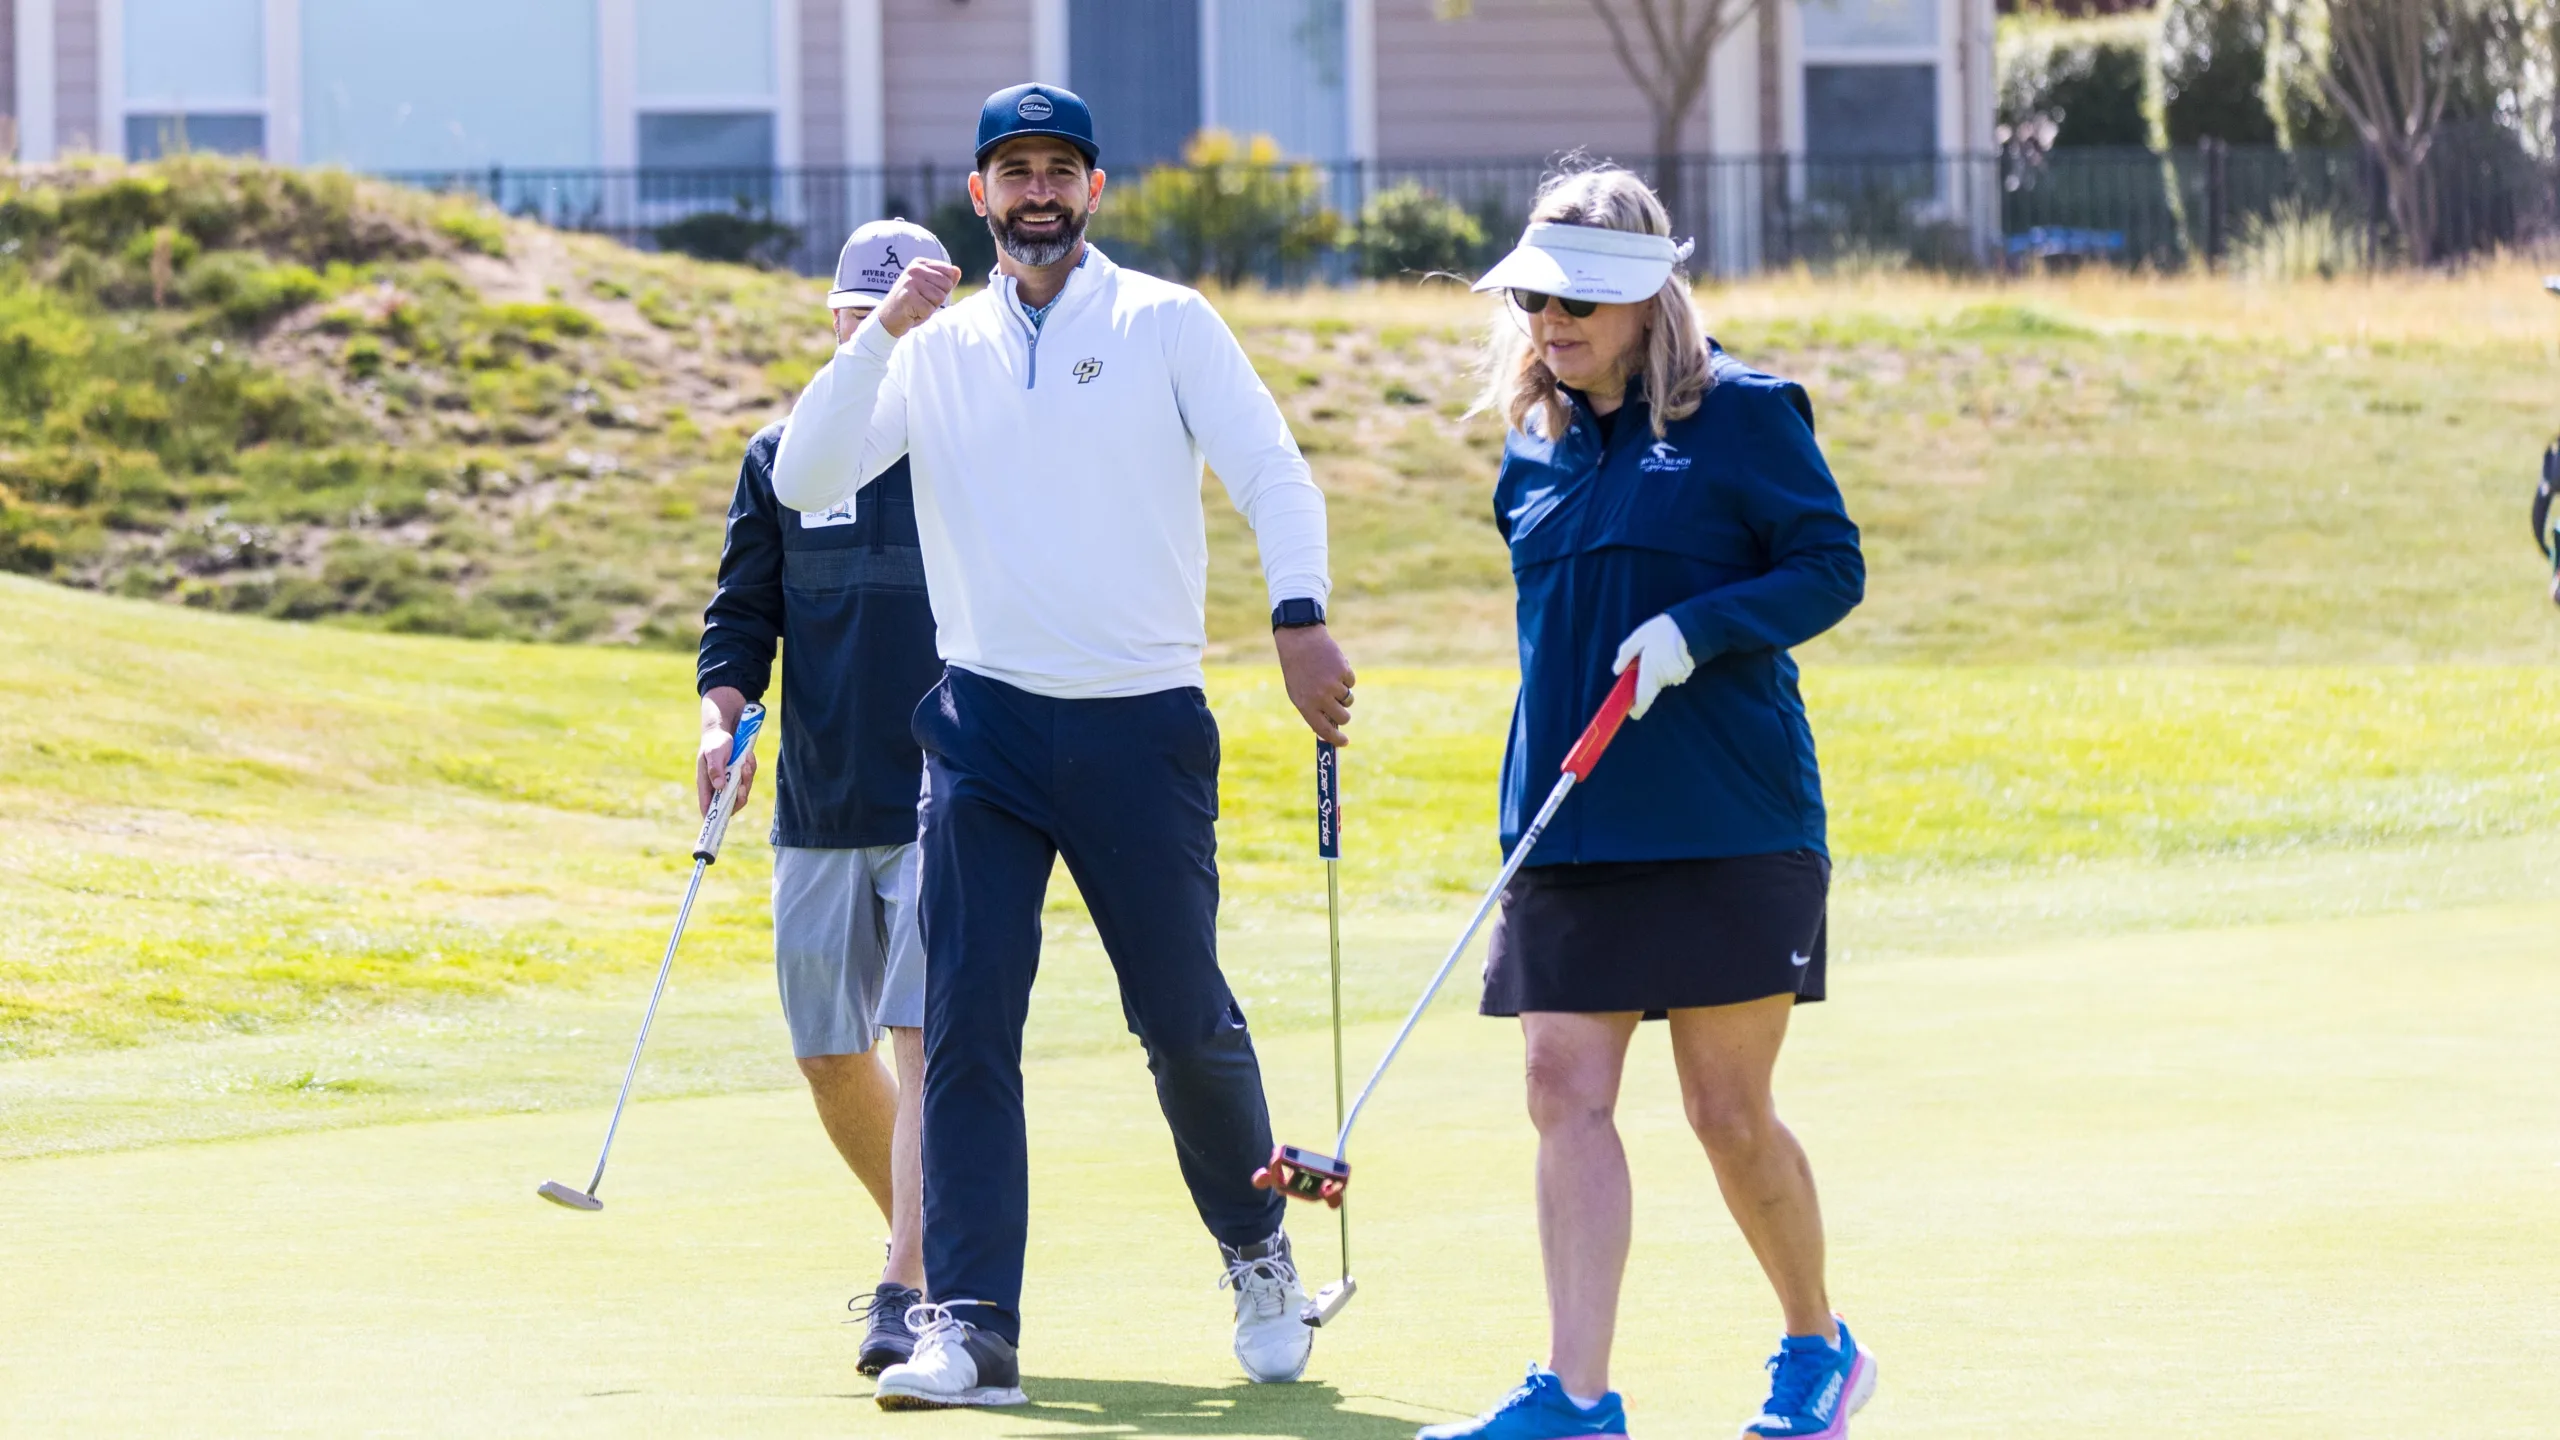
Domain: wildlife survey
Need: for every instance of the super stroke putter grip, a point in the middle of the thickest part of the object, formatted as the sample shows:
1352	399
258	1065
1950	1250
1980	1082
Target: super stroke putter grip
1603	727
715	823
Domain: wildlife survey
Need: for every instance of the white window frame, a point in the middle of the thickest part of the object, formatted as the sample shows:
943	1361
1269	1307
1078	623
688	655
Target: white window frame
618	88
116	109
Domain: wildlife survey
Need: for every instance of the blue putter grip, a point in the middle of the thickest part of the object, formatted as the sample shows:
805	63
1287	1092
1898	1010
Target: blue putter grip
1328	802
715	825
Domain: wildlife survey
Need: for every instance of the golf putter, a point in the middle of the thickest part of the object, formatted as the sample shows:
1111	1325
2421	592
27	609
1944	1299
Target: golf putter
1303	1174
706	848
1328	1302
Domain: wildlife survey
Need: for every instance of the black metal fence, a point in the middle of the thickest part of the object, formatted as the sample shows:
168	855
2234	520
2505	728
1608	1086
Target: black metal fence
2256	208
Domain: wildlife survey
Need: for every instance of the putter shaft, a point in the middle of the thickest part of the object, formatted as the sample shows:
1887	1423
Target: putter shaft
1333	927
657	992
1510	867
706	849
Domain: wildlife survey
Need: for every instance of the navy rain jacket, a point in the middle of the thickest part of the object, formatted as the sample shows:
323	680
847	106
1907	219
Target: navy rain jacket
844	594
1732	525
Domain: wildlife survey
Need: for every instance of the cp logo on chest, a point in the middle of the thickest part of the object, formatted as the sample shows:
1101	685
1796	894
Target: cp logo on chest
1086	369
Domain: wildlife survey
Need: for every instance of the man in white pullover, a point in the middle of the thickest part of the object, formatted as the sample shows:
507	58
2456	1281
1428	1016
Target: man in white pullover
1055	424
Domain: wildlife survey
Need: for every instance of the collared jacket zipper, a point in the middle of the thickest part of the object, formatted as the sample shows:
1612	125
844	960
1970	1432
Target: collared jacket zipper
1013	297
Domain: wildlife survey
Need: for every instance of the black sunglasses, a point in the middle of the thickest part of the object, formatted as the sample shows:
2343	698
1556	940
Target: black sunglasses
1531	302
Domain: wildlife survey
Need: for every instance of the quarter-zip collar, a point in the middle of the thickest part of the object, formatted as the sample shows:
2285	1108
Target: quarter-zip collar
1081	280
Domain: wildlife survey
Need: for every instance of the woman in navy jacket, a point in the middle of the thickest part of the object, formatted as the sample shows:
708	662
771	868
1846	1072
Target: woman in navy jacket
1667	508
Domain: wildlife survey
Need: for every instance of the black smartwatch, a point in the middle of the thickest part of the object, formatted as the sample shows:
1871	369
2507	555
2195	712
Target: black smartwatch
1296	614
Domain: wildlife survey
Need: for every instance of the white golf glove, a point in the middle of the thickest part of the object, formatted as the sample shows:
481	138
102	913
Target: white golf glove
1663	652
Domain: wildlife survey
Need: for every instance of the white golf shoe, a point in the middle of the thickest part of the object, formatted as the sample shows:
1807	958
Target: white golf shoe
955	1364
1272	1343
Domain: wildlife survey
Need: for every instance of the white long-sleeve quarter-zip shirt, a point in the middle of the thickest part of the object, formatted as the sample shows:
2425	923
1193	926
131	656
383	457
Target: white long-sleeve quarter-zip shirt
1057	474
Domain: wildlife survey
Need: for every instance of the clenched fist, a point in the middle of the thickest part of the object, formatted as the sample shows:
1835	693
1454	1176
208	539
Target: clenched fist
921	289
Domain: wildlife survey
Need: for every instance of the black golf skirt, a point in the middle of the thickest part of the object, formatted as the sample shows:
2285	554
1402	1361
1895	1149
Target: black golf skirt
1660	935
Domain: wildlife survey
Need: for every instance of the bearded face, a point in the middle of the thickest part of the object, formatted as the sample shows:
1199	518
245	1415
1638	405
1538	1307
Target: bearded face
1037	193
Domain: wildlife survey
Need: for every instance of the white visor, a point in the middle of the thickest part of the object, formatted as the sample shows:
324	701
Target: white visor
1587	262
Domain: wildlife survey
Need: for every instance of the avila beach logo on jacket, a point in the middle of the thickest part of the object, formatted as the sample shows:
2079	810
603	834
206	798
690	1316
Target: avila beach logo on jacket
1660	456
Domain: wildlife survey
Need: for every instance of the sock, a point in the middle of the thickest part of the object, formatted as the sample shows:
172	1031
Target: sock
1274	1246
1581	1404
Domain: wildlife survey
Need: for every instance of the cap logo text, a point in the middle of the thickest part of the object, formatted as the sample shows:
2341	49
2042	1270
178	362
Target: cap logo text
1035	108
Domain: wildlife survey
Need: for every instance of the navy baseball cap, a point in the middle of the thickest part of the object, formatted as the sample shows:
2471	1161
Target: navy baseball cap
1036	110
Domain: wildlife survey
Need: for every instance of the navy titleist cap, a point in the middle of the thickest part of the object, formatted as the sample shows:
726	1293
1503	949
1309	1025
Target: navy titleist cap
1036	110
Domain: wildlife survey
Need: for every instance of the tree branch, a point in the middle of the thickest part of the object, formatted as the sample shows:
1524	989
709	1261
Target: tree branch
1644	81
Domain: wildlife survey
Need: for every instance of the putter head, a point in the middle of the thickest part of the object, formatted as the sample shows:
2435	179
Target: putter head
559	1194
1305	1175
1328	1302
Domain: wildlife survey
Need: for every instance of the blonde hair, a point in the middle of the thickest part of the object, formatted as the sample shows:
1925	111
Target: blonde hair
1518	384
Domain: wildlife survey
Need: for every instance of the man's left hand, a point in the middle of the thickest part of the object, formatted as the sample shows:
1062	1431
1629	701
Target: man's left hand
1319	679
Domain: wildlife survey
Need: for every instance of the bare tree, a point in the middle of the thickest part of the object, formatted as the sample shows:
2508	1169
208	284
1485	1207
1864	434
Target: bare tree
2392	66
1669	52
1668	48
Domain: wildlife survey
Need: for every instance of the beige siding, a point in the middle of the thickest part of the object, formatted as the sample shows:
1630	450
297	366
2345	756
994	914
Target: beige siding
944	59
1519	79
75	80
822	97
9	75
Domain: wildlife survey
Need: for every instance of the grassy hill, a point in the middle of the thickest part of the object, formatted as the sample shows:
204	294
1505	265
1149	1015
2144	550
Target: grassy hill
298	395
295	394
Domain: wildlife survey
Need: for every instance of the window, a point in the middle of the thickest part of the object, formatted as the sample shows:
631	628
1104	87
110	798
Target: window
1281	67
692	52
738	140
148	137
182	55
1871	111
1831	25
458	84
1137	62
711	160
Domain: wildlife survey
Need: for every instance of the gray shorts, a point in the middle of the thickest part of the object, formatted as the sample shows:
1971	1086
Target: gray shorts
845	946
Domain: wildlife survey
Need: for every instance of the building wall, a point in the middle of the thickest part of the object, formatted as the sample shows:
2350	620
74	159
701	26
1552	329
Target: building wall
822	82
9	74
944	58
75	79
1519	79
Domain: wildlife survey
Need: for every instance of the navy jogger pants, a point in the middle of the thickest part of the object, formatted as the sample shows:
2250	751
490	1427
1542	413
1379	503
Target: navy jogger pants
1127	791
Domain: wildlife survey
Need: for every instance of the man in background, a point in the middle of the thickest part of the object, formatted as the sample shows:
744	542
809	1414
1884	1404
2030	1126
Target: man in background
842	591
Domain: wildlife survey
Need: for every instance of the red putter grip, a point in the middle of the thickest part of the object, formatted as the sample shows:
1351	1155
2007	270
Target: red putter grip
1603	727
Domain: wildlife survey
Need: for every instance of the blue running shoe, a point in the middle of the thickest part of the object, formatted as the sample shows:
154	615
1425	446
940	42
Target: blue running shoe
1540	1410
1814	1389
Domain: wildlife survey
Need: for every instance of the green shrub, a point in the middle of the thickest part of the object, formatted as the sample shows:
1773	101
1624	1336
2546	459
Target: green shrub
362	357
248	289
2074	82
472	226
740	236
26	546
1408	230
1229	208
539	328
963	232
2297	242
2209	70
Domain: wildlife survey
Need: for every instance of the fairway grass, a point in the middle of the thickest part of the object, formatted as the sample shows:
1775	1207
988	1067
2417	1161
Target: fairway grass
2284	1181
221	826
